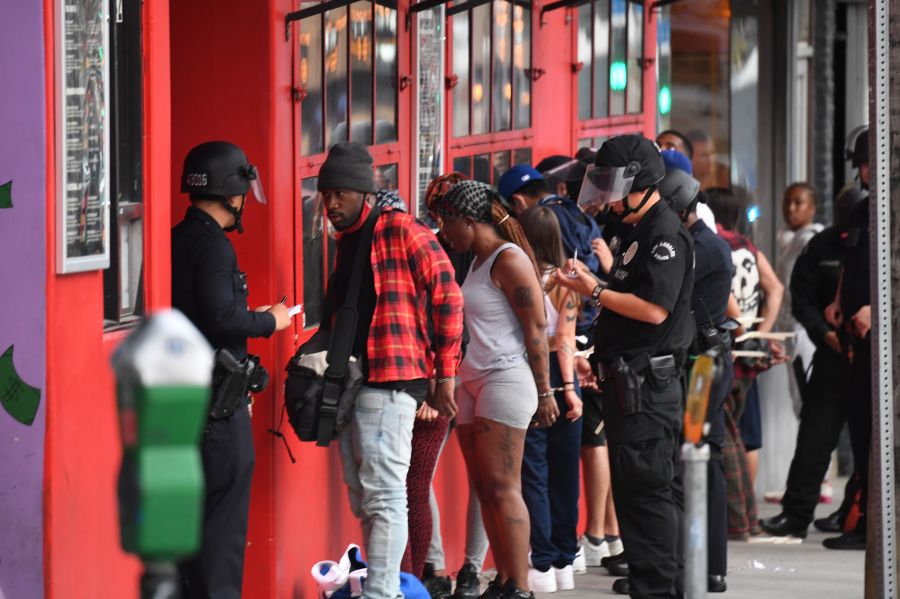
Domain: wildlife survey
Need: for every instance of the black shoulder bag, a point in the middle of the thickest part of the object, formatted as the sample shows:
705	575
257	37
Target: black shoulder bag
319	402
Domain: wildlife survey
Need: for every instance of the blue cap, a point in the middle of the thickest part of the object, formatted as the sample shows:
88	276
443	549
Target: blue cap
675	160
517	176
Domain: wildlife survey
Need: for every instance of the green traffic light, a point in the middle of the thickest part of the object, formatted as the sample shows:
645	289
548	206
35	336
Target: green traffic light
665	100
618	76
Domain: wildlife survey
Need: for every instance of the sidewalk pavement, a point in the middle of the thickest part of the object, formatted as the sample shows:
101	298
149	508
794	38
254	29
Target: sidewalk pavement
773	571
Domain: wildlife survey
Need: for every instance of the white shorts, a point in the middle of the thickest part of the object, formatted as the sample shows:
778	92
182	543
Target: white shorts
505	395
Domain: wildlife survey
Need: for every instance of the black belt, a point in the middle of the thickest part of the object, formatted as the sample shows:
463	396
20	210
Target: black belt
664	362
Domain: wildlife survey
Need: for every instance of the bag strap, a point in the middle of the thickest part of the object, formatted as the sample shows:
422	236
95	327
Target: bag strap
343	334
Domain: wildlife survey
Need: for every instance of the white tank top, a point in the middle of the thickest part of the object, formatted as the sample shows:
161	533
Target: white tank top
496	339
549	308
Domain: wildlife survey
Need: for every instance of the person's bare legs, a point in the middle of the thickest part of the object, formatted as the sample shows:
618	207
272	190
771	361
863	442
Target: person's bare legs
595	466
466	433
753	465
499	449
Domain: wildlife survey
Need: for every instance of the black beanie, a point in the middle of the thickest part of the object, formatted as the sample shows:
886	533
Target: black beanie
348	166
625	150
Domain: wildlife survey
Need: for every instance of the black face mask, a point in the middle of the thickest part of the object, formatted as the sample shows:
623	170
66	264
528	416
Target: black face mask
237	213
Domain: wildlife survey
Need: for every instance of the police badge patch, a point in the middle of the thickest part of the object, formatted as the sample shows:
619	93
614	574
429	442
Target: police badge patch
663	251
630	252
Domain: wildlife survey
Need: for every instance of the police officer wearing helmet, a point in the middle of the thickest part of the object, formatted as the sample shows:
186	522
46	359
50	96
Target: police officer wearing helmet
212	292
713	269
641	340
851	314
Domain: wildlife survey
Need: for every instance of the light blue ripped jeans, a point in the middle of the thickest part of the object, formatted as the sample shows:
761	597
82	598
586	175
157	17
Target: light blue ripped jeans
376	445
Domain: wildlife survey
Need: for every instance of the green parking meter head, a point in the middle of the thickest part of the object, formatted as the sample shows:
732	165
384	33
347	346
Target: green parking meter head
163	376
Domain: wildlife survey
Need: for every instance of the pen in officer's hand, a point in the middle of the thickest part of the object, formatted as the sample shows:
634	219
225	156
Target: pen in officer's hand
284	299
574	273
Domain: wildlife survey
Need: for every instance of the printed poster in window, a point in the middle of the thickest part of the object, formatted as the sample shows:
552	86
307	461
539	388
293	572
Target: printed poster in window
82	99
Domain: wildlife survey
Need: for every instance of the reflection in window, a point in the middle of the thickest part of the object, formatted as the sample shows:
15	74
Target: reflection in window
664	68
481	69
481	168
310	74
618	67
429	102
335	76
521	58
386	177
461	72
339	97
313	253
385	74
522	156
361	72
491	65
501	164
601	58
463	164
585	60
502	74
635	56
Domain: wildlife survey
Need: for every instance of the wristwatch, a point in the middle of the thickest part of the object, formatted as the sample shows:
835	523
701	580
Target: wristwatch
595	294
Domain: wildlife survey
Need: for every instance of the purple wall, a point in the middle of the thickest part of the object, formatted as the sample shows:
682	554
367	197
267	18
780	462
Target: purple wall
22	301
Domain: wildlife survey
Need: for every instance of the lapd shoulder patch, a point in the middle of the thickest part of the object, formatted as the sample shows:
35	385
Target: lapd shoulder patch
663	251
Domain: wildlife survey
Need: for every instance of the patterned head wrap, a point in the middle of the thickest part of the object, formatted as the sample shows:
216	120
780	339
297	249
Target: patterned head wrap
471	199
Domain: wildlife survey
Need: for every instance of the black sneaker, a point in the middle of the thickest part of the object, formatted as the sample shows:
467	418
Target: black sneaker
439	587
467	584
494	590
511	592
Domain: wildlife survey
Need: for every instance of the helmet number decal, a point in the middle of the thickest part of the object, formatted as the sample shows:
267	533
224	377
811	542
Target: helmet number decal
197	179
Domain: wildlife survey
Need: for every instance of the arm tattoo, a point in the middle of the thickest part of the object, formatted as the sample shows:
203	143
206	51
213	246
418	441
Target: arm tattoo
522	297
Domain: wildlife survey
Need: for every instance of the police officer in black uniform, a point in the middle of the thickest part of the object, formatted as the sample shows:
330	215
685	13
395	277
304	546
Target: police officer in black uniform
814	283
641	339
713	268
851	313
208	287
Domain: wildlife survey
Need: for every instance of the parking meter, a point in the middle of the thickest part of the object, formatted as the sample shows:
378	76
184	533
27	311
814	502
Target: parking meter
163	377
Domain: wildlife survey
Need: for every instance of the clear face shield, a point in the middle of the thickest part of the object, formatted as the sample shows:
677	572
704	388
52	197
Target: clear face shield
604	185
256	184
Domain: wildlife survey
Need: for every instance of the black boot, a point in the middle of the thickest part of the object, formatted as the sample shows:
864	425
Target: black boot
716	584
833	523
782	526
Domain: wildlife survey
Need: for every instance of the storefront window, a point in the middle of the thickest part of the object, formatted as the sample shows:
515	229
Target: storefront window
347	76
635	68
123	281
491	46
488	168
618	66
361	72
314	245
700	89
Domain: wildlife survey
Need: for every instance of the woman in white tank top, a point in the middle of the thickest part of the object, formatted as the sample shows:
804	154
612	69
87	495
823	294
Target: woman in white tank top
505	370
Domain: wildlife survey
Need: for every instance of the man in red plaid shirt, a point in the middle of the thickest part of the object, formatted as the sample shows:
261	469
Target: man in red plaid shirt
407	281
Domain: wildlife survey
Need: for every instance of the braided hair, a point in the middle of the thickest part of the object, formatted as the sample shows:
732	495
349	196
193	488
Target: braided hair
483	203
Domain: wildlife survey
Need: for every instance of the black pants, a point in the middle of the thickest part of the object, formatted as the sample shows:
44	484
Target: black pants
822	417
217	570
858	401
643	456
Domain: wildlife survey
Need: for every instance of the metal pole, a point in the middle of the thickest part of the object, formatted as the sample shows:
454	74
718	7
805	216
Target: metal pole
694	460
881	524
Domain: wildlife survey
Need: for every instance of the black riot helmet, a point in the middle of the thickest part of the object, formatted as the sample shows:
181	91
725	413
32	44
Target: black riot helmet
680	191
856	150
219	170
624	164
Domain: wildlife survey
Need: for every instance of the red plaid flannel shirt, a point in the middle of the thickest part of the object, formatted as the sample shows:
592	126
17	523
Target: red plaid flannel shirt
412	272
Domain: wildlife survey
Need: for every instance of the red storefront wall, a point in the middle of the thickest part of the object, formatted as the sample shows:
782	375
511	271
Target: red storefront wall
223	70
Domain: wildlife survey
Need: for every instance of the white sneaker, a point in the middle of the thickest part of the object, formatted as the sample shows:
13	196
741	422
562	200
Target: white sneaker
579	566
565	578
542	582
616	547
593	553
